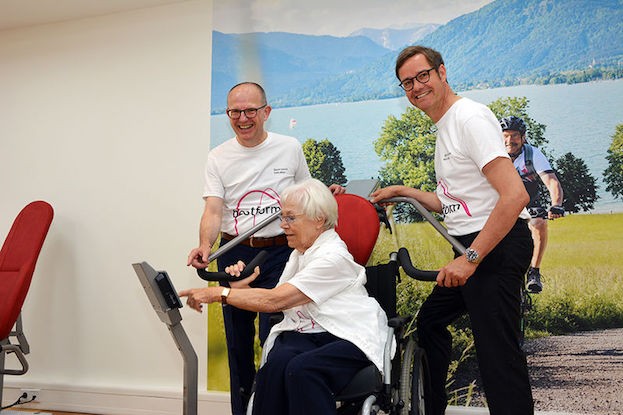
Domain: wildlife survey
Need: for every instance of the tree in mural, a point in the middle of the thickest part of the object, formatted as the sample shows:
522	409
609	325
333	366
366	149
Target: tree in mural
578	184
324	161
407	145
613	175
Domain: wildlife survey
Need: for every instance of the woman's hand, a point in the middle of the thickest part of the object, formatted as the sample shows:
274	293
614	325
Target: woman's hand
235	271
195	297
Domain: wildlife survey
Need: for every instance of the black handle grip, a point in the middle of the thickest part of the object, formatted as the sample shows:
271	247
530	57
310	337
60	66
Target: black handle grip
223	276
410	270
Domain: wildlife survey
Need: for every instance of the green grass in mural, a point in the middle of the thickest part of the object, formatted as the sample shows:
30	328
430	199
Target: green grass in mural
582	275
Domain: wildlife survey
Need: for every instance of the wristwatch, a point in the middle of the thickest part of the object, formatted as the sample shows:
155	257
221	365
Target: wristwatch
472	256
224	295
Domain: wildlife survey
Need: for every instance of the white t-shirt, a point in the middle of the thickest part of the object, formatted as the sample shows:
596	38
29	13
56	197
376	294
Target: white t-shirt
250	179
469	136
340	304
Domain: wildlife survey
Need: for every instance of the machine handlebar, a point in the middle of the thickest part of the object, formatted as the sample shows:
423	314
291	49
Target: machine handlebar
404	260
223	276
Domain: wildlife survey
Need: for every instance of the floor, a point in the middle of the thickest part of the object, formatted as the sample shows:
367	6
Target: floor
35	412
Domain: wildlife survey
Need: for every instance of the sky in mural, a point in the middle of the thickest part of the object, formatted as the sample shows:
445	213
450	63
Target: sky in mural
330	17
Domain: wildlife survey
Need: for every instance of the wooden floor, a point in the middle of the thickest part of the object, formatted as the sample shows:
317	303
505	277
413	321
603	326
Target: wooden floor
33	412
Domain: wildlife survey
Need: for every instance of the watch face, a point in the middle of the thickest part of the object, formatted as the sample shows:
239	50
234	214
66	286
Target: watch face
472	256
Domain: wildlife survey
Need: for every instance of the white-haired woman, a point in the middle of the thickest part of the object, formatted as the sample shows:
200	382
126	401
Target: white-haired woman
331	327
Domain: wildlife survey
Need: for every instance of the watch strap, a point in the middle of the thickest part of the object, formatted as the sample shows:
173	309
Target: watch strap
225	294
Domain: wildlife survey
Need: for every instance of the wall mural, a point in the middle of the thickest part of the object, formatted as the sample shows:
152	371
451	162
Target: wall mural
328	70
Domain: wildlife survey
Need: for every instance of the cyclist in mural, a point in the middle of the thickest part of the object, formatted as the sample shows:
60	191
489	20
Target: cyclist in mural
533	167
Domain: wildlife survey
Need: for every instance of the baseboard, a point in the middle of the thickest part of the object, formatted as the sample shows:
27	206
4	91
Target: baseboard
114	401
141	401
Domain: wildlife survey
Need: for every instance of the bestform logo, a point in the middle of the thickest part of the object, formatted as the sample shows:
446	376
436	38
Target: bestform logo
257	198
447	209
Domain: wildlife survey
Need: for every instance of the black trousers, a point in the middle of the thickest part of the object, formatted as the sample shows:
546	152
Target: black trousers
303	372
491	297
240	324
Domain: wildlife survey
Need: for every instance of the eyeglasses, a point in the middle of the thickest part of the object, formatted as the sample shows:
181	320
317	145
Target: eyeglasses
422	77
289	219
248	112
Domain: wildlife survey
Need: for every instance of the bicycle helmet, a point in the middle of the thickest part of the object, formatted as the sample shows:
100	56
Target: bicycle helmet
513	123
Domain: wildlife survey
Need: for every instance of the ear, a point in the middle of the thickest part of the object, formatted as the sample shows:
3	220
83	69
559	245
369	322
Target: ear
320	223
267	110
442	72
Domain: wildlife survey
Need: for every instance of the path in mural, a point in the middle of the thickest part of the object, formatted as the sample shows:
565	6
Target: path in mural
580	373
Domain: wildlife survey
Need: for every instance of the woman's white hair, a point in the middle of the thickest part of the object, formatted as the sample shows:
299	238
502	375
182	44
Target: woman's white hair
315	200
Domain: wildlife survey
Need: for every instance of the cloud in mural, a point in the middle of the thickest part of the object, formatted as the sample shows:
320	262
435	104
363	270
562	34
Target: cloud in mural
328	17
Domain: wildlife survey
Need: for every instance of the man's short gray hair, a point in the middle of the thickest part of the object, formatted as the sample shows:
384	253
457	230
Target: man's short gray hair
315	200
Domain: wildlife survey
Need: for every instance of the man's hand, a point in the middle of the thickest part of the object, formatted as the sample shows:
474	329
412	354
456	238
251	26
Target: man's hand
555	212
198	257
384	193
456	273
336	189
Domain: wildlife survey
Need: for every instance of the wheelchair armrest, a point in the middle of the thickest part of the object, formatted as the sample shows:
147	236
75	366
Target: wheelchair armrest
399	321
275	318
368	380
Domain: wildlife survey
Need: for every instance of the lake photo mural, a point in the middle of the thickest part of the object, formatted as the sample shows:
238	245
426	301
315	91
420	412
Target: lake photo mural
328	71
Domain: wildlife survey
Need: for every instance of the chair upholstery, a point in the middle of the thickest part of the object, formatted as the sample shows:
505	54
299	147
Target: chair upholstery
358	225
18	258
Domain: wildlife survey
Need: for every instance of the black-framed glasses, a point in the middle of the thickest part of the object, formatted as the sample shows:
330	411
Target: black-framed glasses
422	77
248	112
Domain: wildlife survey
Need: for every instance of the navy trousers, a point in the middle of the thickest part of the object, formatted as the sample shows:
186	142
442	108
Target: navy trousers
240	324
491	297
303	372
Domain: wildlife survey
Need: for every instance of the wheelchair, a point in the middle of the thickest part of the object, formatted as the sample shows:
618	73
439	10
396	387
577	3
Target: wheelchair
403	386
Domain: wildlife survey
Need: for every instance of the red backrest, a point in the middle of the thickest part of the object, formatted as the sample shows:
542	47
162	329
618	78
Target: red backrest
18	258
358	225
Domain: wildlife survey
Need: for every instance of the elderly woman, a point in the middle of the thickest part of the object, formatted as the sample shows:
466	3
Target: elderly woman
331	327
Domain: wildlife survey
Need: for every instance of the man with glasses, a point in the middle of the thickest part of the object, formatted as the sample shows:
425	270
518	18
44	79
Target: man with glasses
482	199
243	180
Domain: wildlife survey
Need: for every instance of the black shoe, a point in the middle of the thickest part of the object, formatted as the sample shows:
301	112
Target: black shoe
534	284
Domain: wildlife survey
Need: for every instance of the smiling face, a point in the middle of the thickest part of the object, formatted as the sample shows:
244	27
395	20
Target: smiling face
249	131
513	140
301	230
431	97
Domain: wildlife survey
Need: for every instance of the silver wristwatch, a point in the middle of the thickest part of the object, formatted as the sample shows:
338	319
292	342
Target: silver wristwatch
472	256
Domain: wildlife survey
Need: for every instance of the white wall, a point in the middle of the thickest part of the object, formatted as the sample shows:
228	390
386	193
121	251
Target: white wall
107	119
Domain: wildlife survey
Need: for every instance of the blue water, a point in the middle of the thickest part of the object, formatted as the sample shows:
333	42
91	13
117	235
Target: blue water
580	119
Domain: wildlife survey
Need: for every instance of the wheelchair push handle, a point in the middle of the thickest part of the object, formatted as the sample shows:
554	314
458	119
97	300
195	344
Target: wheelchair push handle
223	276
405	262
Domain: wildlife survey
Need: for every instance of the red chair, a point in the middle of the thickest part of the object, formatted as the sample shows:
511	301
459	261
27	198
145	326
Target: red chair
18	258
358	225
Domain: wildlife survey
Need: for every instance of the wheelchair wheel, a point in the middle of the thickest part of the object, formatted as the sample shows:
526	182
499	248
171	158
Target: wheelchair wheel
413	380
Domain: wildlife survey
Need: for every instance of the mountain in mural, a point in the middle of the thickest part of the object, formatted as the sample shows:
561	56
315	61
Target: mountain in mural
394	38
284	61
503	42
